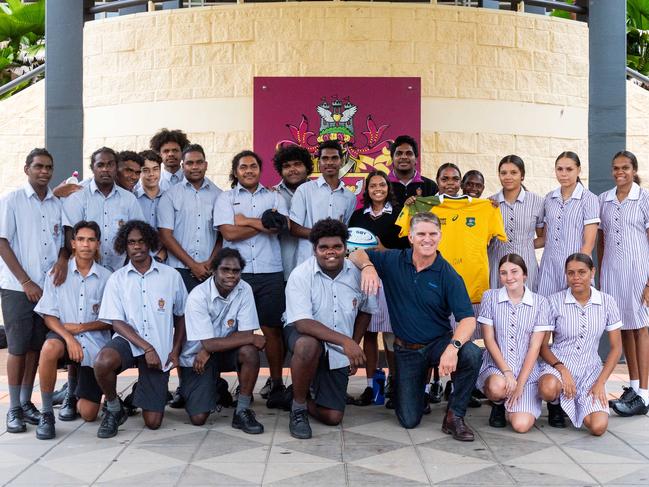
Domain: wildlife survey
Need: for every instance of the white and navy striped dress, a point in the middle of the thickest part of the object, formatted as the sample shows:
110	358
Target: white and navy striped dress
521	220
577	332
564	234
625	266
513	326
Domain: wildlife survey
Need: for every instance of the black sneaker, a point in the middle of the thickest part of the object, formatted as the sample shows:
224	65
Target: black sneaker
15	420
281	399
389	403
448	388
265	391
349	399
177	401
45	429
31	414
366	398
628	394
555	416
224	398
497	417
389	387
127	403
59	396
245	421
299	424
68	411
436	392
633	407
110	423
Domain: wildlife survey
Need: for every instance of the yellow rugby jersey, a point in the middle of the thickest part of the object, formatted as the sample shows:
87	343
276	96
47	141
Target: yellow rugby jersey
468	225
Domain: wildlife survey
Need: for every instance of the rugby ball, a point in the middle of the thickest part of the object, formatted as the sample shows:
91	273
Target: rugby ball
359	238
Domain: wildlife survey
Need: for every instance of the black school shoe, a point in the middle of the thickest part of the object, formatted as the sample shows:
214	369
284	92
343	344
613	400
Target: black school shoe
497	417
427	409
46	429
436	392
281	399
246	421
111	422
31	414
68	411
298	425
366	398
633	407
556	419
177	400
59	396
628	394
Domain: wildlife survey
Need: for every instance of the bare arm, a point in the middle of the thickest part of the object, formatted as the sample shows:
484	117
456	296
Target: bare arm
76	328
349	347
531	357
31	289
236	233
360	325
492	347
589	237
539	241
299	231
546	354
171	244
232	341
598	390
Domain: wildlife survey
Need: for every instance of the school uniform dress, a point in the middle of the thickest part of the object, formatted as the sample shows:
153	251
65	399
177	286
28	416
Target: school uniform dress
77	300
261	252
315	200
313	295
34	231
109	212
513	326
521	220
381	225
564	233
625	266
210	315
187	212
148	303
577	332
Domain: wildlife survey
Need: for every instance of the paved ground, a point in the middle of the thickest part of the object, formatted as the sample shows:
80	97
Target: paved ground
368	449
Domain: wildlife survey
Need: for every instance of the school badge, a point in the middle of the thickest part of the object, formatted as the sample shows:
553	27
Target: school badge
95	308
56	230
230	323
470	221
161	304
354	303
120	223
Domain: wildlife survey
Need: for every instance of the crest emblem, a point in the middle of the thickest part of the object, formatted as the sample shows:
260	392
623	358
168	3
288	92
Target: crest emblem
161	304
56	230
470	221
442	221
120	223
95	308
354	303
230	323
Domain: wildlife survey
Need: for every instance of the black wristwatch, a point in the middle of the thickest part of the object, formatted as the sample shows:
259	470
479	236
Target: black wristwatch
456	343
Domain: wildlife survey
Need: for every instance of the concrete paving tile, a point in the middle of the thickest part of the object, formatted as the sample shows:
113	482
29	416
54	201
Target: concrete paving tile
363	477
507	447
248	472
334	475
36	474
550	474
494	475
135	462
217	444
253	455
357	446
551	455
607	472
400	463
180	447
159	478
592	454
471	449
279	454
640	476
387	429
328	445
201	477
86	466
279	472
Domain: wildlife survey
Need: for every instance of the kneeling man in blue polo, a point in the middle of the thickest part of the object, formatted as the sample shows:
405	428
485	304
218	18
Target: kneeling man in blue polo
422	290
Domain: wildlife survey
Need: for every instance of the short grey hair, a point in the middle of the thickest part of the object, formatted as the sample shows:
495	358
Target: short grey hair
424	217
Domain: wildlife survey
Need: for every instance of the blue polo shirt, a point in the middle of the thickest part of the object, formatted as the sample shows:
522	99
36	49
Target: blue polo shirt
420	303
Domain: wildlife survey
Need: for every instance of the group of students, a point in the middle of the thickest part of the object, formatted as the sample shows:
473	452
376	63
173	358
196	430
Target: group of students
149	264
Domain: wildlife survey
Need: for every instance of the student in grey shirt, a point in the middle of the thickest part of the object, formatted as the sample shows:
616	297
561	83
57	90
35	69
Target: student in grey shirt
238	216
71	312
145	303
294	164
325	197
221	318
149	191
185	220
31	241
104	202
326	316
170	145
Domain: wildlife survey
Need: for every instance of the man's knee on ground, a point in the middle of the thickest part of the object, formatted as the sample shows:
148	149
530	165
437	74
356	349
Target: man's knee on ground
88	410
330	417
409	421
199	419
152	420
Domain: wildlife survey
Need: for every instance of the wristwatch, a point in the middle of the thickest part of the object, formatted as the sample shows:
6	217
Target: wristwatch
456	343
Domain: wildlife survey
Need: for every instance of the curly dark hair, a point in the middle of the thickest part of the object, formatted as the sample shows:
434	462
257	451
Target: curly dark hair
404	139
235	164
103	150
292	153
129	155
225	253
328	228
330	144
86	224
151	155
35	153
367	201
149	235
165	136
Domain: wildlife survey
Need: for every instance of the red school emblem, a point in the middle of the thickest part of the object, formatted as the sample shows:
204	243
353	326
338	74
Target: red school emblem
95	308
161	304
56	230
230	323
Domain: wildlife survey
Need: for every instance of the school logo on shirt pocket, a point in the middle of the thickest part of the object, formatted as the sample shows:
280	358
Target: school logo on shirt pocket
470	221
354	303
95	308
230	323
56	230
161	305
